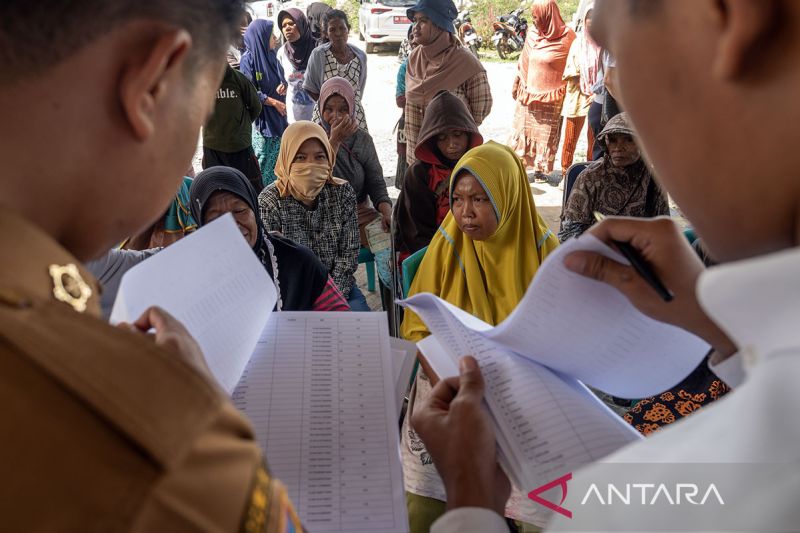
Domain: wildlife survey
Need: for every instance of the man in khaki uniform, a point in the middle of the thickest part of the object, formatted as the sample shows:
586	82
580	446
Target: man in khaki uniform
104	428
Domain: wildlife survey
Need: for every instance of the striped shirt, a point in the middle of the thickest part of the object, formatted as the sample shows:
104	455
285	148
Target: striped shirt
331	299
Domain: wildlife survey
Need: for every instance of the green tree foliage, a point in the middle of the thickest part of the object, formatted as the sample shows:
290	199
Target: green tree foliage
484	12
350	7
568	8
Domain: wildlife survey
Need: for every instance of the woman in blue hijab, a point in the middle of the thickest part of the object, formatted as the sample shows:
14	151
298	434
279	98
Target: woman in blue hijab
260	65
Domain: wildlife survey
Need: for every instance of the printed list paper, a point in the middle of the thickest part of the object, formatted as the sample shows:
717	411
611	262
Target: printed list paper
214	284
320	393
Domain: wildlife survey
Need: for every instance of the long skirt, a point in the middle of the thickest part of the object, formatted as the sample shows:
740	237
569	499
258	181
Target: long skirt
266	149
244	160
537	131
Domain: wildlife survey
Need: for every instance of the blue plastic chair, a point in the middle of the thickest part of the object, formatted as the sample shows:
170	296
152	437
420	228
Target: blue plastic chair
409	270
571	177
368	259
410	267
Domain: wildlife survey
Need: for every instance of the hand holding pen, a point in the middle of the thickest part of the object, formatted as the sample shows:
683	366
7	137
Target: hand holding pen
660	245
639	265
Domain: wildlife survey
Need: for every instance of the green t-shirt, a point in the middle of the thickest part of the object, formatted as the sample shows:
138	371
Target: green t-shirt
229	128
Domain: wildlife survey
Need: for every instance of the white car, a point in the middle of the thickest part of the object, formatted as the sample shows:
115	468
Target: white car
269	9
383	22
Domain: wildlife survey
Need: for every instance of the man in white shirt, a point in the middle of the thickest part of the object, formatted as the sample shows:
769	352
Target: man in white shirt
711	88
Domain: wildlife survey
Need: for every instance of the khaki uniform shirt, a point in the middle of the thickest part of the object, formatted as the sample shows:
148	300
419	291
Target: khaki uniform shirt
101	430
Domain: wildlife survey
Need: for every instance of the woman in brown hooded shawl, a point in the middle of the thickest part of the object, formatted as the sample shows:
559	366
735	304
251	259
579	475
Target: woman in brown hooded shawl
439	62
448	131
618	184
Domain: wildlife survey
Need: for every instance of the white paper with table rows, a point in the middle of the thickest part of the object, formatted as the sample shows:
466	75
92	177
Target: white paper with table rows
214	284
566	329
585	329
320	393
546	424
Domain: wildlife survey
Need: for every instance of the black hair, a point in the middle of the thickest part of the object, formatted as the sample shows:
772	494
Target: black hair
36	35
336	14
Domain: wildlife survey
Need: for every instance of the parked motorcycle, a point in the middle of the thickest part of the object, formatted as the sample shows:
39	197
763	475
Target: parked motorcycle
509	33
467	33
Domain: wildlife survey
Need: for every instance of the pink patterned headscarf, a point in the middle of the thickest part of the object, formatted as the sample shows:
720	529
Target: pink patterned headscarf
339	86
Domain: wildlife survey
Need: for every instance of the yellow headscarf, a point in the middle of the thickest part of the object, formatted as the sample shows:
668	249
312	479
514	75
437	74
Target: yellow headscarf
486	278
293	137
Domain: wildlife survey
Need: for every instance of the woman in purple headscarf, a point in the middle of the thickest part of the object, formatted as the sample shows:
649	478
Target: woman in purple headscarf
293	57
260	65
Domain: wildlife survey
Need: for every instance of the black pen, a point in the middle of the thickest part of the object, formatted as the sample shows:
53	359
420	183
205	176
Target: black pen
640	266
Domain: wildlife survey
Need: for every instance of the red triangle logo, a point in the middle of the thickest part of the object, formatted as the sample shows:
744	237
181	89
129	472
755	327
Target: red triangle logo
562	482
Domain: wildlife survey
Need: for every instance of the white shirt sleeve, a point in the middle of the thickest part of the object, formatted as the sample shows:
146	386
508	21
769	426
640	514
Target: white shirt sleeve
731	370
469	519
608	60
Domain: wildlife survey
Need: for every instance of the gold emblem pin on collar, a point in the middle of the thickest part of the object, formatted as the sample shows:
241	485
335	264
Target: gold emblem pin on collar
69	287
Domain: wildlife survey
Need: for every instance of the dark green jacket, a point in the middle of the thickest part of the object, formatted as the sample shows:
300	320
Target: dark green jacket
229	129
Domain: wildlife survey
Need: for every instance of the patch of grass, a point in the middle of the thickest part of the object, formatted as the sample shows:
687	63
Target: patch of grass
489	55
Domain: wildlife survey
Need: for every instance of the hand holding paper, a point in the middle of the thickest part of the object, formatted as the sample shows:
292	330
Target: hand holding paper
664	247
321	389
212	282
457	430
567	330
172	335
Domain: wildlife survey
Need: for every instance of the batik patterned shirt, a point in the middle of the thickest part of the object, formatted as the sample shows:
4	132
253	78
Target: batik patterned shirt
626	192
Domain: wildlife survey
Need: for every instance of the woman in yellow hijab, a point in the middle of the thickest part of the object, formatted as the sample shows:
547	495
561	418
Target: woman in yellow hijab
482	260
484	274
